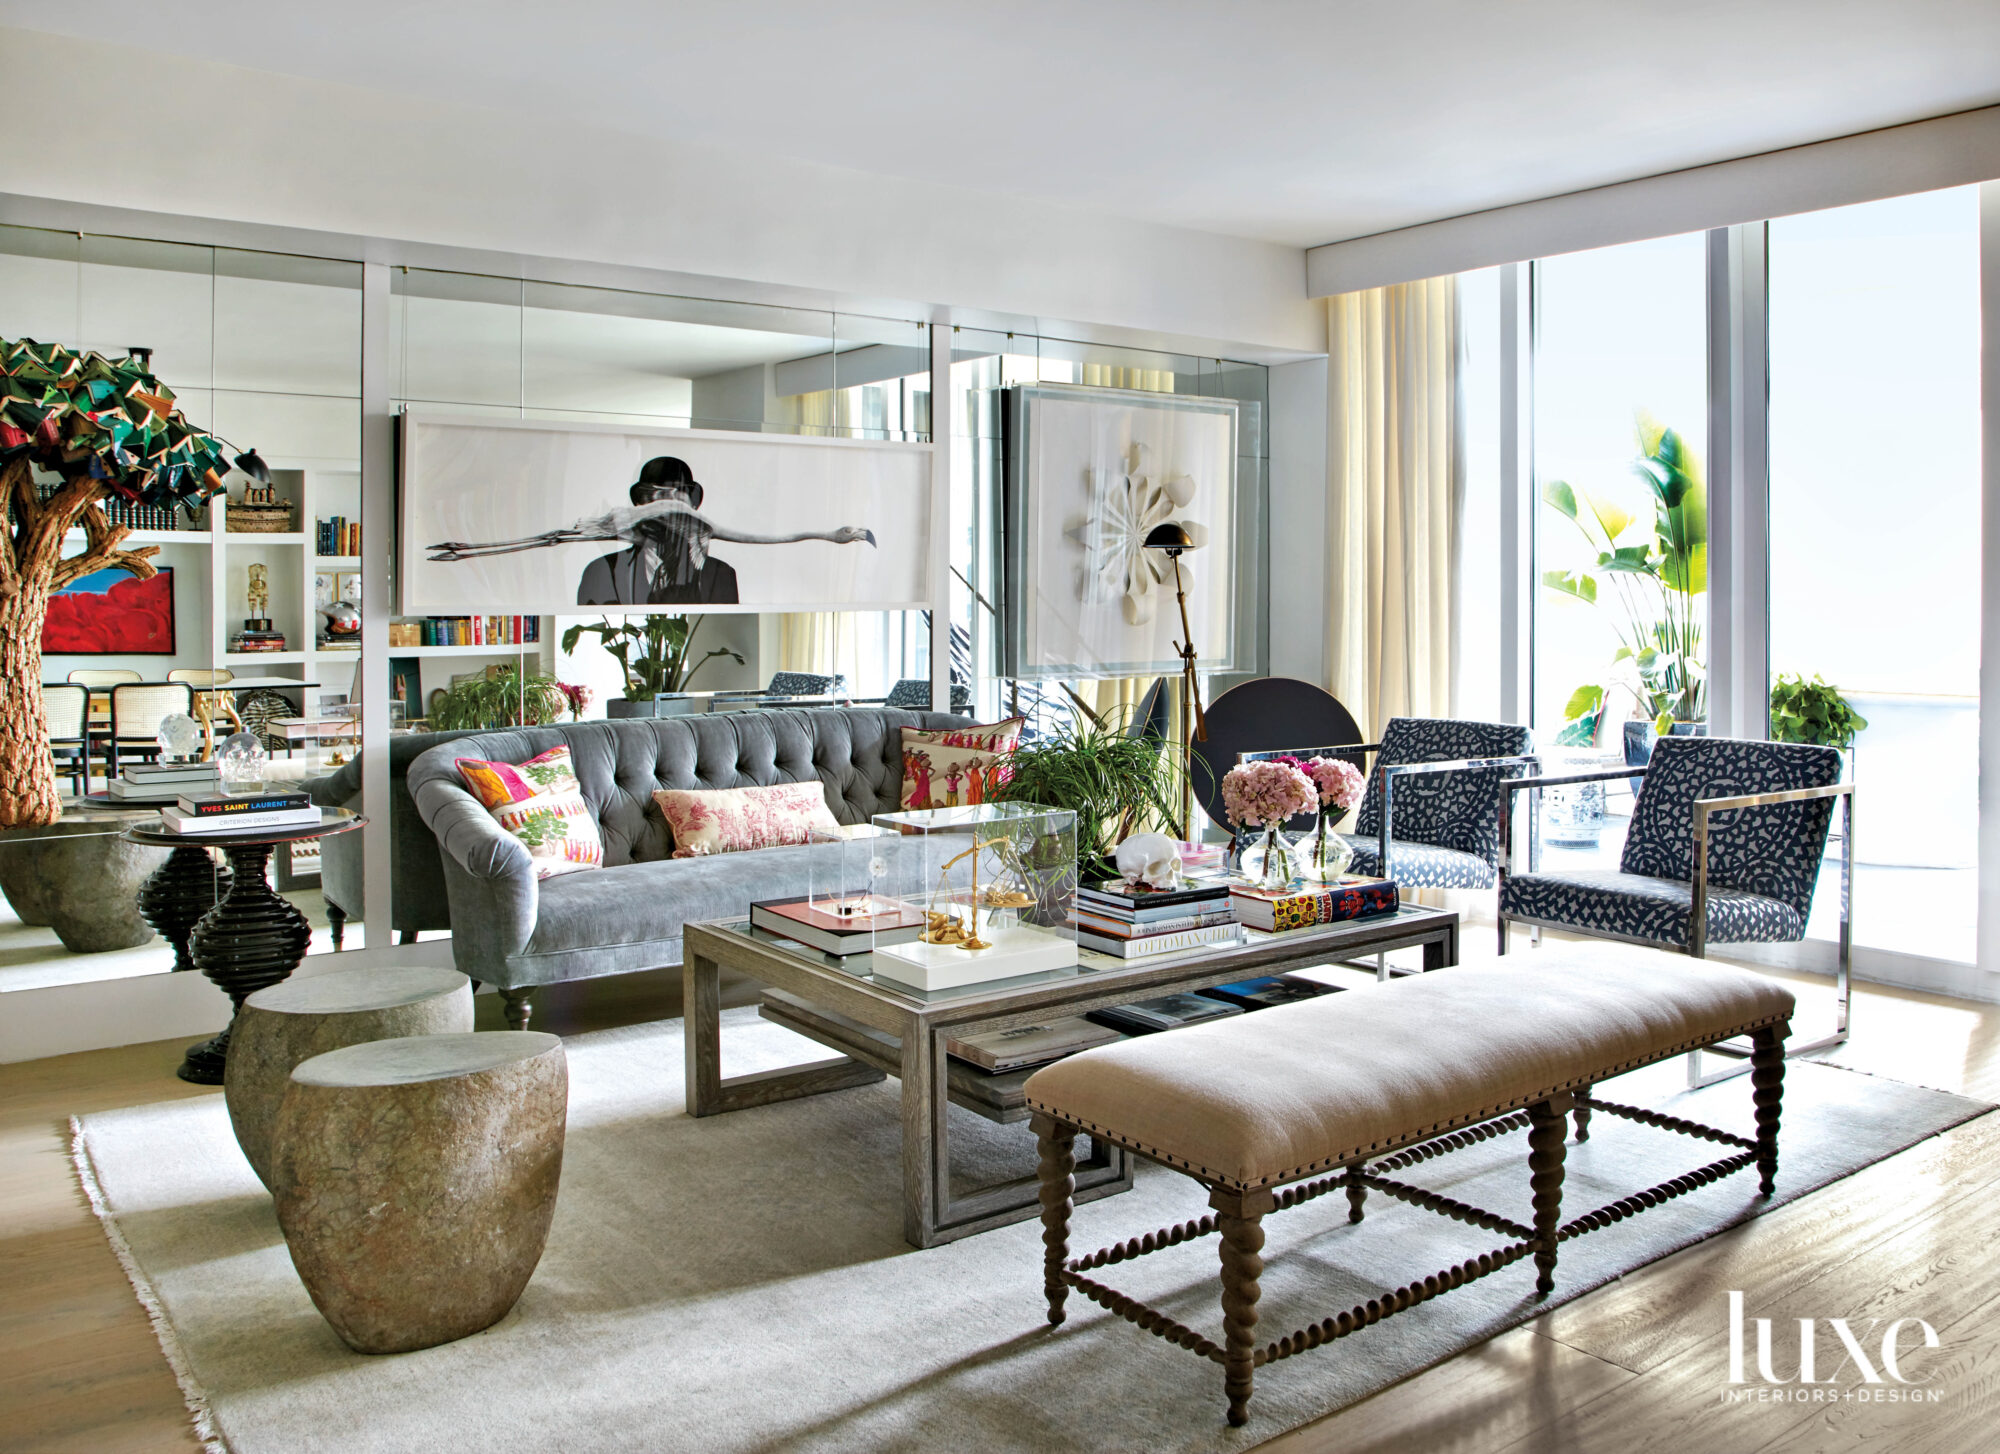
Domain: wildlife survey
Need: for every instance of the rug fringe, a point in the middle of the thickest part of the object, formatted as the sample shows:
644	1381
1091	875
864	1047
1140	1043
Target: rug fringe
205	1430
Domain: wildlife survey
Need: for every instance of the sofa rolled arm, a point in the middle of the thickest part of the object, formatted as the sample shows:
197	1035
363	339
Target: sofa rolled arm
489	876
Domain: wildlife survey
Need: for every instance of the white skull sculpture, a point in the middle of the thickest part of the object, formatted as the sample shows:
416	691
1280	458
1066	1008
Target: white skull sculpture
1152	859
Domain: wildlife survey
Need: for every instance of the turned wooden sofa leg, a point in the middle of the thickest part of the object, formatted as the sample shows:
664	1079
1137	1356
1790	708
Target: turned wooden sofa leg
1767	1082
1240	1219
1546	1124
336	920
1055	1145
518	1007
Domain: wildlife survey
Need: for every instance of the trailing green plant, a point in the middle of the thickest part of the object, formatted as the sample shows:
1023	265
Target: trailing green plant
1654	579
1114	783
1812	711
501	699
652	652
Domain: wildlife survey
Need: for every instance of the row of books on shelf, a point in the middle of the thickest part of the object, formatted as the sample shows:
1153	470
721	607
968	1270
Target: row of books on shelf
136	516
467	631
338	536
998	1052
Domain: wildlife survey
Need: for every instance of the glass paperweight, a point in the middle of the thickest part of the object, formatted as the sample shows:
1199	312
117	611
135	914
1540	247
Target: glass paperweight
240	762
995	887
179	736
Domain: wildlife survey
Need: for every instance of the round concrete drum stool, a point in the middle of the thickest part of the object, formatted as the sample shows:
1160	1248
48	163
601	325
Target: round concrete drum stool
286	1024
415	1181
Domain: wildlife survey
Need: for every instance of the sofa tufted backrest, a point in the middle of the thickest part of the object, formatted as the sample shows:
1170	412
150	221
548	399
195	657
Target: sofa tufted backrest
855	752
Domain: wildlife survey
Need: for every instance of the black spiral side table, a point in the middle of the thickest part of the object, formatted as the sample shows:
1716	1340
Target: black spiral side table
179	892
250	938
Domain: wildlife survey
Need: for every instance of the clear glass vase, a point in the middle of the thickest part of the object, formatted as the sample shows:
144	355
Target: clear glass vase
1271	862
1324	854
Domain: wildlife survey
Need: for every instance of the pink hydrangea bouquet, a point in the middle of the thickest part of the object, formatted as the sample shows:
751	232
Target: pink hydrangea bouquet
1340	783
1258	794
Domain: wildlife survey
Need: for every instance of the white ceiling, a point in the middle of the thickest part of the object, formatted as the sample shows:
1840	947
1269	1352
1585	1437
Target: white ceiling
1287	120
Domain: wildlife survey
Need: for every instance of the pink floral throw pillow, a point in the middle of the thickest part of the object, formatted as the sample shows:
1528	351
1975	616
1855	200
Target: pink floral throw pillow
733	820
541	803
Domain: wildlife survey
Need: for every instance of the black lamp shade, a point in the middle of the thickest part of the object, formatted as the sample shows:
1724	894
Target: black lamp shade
1171	537
252	464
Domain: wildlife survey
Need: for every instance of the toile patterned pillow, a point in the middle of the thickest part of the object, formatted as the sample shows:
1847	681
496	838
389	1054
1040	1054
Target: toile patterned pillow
541	803
949	767
735	820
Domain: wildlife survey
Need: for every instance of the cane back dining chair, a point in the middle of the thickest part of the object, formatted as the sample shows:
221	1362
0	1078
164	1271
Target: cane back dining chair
137	709
1725	847
67	705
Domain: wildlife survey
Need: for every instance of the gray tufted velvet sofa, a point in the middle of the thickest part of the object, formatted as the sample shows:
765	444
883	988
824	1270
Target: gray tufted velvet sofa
515	933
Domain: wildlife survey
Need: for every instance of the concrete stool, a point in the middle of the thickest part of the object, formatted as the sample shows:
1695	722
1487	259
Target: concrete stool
416	1178
288	1023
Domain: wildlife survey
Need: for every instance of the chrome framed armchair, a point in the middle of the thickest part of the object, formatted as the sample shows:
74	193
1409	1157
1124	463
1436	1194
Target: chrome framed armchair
1725	847
1436	777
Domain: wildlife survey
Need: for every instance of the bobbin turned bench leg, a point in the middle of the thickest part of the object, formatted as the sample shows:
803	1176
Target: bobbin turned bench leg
1547	1122
1767	1081
1055	1145
1240	1219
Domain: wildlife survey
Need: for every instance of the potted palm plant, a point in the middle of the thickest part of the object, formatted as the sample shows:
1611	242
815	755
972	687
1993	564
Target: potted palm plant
1651	575
652	653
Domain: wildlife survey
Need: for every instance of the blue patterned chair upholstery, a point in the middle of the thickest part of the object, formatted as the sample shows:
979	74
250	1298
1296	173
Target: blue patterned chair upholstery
1445	825
805	684
1763	863
1762	859
914	694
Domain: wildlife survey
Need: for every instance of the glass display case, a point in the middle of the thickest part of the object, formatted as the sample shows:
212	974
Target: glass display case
994	885
850	901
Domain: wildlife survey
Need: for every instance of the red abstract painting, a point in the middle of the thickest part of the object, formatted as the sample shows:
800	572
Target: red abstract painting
112	613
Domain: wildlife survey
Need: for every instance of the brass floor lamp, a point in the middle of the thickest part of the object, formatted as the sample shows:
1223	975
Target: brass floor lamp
1174	540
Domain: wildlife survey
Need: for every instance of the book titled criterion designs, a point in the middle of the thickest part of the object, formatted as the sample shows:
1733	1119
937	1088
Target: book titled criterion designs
1277	911
842	924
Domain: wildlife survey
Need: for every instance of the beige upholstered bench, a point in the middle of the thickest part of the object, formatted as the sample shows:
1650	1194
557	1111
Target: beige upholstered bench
1354	1086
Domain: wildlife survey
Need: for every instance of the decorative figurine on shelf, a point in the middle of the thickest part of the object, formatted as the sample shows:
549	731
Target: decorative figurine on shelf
259	595
1152	859
257	509
343	622
258	633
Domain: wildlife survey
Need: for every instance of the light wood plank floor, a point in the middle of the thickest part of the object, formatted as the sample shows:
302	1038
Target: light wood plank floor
1634	1367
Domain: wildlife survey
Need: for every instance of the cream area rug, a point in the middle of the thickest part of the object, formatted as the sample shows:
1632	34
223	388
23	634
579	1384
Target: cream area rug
741	1282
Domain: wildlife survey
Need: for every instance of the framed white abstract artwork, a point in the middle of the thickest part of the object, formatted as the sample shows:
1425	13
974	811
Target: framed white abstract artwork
527	516
1090	472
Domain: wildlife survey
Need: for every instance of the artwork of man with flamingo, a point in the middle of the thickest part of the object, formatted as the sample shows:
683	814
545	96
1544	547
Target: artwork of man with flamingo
666	560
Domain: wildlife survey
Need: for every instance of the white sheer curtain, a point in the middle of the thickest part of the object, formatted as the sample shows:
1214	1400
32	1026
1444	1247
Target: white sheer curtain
1396	472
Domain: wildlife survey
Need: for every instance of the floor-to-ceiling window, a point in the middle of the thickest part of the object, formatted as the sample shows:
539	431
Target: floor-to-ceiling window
1874	568
1620	432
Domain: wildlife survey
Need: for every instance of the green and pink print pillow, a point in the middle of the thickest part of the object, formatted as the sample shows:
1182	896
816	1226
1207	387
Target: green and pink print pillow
541	803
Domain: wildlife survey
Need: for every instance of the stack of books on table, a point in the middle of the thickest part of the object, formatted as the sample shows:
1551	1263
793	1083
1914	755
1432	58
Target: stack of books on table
163	782
1276	910
999	1051
1169	1012
241	813
1131	922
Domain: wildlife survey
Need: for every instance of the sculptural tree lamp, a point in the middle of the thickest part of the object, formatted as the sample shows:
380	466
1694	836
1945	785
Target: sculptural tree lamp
92	426
1173	539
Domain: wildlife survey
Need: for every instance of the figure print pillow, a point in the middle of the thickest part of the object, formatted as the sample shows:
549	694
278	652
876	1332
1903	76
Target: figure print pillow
541	803
735	820
949	767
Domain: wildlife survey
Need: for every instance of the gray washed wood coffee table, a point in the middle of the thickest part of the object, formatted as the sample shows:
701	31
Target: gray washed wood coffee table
883	1028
